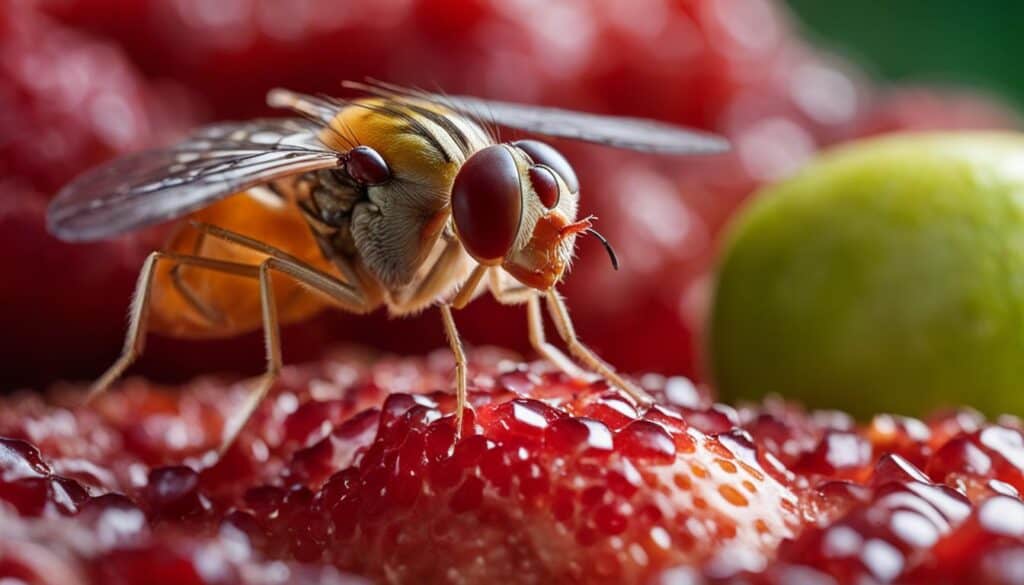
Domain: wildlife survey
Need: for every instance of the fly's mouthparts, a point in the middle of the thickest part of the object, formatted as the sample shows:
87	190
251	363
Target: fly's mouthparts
576	227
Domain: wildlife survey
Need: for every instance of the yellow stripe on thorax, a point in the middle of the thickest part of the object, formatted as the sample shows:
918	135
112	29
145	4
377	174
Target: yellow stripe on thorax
370	122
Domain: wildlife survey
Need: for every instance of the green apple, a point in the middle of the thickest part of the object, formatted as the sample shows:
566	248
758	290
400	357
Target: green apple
887	276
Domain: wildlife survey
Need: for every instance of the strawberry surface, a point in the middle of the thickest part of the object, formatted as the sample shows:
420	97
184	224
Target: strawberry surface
353	466
358	465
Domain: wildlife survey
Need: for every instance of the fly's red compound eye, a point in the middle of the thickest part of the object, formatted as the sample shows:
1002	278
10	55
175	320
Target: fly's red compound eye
365	165
542	154
487	203
544	183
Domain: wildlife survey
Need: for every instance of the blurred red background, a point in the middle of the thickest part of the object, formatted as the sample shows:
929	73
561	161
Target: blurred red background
85	80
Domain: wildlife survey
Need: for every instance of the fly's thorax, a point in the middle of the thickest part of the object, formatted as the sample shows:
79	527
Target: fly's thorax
423	143
514	205
393	225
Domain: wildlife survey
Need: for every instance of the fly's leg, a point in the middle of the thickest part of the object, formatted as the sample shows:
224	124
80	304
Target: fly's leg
433	283
272	345
337	292
188	293
135	339
352	282
540	344
455	343
247	242
560	315
516	295
468	288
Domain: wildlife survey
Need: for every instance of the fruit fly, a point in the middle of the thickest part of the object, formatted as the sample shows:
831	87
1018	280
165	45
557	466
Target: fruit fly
399	198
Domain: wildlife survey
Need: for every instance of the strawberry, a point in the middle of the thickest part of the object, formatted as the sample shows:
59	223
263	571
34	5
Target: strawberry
110	542
548	479
354	463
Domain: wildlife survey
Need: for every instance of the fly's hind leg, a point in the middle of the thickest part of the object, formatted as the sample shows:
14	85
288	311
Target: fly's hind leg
338	293
135	339
560	315
209	313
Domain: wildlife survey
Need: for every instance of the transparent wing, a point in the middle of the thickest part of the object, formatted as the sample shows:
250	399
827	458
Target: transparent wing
161	184
619	132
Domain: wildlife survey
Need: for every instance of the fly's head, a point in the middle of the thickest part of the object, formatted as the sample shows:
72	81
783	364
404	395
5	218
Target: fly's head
514	205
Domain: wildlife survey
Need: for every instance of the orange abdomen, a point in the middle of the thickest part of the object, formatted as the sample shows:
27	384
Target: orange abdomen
232	301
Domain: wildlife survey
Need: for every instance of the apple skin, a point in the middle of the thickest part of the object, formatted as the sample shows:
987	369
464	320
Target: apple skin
888	275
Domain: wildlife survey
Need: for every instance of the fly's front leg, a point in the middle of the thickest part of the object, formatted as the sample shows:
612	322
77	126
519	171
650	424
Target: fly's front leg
560	315
535	321
515	295
435	281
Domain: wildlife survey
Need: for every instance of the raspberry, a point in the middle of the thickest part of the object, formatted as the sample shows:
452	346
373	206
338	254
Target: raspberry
922	109
72	101
67	102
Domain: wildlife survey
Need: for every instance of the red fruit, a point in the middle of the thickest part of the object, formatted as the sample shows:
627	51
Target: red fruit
981	546
19	460
173	492
560	480
890	468
71	100
67	102
921	109
879	538
544	471
549	479
838	453
908	437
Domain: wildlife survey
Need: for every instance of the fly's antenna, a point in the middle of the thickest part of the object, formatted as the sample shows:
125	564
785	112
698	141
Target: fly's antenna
607	246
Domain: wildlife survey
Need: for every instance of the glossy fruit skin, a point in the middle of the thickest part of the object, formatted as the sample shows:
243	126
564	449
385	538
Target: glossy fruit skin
884	277
353	465
340	468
